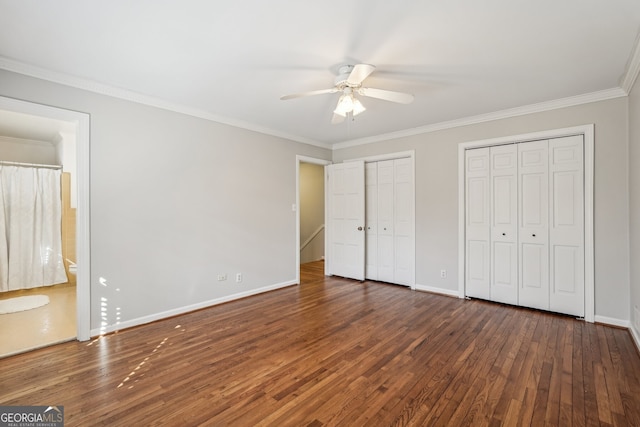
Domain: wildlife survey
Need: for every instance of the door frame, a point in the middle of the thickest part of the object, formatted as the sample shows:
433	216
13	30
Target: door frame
315	161
83	248
587	131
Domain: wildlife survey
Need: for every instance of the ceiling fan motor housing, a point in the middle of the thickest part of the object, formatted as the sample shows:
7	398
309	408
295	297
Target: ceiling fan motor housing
343	75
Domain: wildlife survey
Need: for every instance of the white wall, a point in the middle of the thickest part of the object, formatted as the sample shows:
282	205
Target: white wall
27	151
437	198
175	201
311	211
634	206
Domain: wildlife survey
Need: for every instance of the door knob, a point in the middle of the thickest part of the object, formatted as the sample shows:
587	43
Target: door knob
359	228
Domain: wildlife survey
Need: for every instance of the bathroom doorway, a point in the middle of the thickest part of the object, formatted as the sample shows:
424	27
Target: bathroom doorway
32	135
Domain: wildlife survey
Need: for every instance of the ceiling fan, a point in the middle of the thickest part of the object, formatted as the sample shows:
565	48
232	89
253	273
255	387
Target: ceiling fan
349	83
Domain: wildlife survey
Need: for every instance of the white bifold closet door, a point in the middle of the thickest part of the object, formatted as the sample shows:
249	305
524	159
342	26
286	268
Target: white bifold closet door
477	224
533	210
525	224
389	221
566	228
504	224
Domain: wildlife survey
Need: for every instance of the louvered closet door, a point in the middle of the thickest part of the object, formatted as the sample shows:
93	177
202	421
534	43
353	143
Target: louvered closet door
566	234
533	210
477	223
504	220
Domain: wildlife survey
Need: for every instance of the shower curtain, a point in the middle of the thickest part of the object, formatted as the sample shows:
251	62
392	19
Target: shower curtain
30	228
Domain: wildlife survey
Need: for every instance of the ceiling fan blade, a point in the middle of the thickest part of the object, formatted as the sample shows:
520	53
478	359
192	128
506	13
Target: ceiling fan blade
311	93
387	95
337	118
359	73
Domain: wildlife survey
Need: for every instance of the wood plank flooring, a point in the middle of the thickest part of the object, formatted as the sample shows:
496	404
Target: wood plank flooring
338	352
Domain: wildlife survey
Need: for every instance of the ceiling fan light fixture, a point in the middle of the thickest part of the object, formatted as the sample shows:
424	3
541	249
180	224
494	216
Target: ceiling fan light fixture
357	107
345	105
348	104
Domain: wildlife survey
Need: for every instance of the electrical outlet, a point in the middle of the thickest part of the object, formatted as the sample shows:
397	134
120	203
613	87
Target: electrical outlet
222	277
238	277
443	274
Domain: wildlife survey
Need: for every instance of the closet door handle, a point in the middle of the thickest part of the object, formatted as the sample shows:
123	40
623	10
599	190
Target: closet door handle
533	235
359	228
504	234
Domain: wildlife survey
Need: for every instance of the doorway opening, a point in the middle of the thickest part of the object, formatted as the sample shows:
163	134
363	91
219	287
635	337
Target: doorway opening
33	135
310	211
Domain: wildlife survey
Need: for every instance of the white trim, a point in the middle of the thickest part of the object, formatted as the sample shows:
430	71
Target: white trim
602	95
633	68
636	337
186	309
383	157
437	290
613	321
83	249
589	153
315	161
103	89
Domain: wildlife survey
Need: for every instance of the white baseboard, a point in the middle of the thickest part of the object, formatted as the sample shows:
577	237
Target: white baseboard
186	309
436	290
636	337
612	321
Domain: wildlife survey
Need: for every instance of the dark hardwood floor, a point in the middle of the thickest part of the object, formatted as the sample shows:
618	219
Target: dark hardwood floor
339	352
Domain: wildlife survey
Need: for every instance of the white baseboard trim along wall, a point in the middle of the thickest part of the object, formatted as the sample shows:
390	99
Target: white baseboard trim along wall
182	310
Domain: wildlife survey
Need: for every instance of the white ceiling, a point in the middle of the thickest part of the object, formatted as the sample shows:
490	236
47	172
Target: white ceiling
231	61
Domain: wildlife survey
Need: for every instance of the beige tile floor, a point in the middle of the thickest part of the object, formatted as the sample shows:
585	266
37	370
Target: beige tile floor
42	326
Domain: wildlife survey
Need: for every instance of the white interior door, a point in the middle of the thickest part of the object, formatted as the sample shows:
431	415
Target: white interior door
566	233
478	223
533	209
346	200
504	220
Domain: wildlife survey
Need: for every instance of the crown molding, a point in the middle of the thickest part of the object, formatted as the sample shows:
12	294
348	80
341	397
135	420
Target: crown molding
602	95
633	68
115	92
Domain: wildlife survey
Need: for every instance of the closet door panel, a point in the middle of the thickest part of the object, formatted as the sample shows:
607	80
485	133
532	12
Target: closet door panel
504	230
477	223
403	221
371	220
533	209
566	236
385	221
